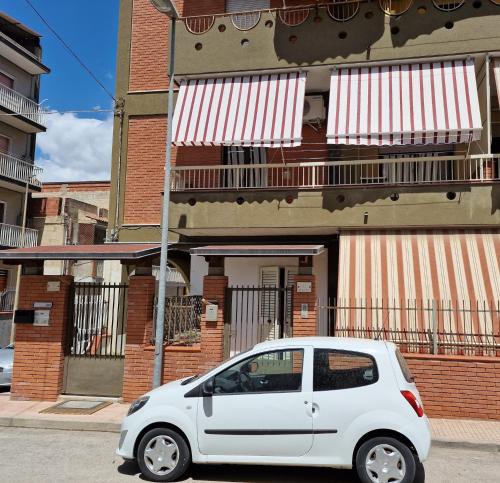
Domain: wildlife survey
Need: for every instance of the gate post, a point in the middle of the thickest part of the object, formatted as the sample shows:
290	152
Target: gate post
305	321
39	356
138	369
212	333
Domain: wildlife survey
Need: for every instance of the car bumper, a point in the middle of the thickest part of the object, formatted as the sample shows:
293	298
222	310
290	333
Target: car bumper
128	437
6	377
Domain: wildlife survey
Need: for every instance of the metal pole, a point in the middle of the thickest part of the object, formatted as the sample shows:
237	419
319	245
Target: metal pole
162	282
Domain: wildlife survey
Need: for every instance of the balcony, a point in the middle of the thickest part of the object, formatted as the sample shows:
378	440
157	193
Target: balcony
26	114
19	171
425	170
12	236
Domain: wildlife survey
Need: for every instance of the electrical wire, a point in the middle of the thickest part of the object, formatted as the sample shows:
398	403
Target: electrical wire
70	50
71	111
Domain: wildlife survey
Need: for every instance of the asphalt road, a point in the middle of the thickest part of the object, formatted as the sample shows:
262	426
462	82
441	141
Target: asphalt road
37	455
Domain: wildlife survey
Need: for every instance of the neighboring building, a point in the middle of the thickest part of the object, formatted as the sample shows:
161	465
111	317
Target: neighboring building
72	213
391	169
21	118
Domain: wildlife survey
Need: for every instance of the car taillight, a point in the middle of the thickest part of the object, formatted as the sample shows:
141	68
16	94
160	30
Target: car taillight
413	401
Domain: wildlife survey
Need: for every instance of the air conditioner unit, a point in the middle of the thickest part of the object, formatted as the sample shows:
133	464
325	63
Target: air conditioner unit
314	109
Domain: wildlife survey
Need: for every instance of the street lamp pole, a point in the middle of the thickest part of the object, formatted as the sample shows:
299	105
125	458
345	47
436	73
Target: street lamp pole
168	8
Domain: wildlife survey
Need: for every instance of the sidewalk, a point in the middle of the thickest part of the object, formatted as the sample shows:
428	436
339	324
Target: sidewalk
27	414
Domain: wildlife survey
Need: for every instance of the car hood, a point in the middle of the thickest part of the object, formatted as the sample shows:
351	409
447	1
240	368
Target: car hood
6	357
170	386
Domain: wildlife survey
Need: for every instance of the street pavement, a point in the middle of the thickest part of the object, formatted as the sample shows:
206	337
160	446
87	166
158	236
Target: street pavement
53	456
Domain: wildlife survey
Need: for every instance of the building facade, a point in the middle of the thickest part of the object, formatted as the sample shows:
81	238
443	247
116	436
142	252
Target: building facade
370	129
21	118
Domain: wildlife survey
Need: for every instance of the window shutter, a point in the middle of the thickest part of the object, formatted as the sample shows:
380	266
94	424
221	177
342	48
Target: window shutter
246	5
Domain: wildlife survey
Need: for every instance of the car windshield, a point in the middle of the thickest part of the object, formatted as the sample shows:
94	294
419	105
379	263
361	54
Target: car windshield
197	376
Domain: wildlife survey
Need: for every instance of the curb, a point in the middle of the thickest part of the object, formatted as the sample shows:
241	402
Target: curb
115	428
60	425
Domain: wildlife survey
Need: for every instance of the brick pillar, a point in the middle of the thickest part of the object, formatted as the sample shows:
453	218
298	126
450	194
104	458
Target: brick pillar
303	327
39	355
138	371
212	333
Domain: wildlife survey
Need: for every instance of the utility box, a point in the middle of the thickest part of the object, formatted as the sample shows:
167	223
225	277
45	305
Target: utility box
211	312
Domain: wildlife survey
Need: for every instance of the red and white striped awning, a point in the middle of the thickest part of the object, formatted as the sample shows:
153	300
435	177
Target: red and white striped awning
409	269
257	110
422	103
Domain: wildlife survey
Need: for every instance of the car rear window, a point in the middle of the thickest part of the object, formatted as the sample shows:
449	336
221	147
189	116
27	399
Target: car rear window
404	367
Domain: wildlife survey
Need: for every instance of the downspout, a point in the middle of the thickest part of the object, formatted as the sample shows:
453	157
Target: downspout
120	111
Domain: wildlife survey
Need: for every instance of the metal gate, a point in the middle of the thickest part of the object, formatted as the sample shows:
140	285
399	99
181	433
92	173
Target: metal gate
256	314
95	346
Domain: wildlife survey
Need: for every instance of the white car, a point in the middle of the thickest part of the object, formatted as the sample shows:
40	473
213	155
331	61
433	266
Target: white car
319	401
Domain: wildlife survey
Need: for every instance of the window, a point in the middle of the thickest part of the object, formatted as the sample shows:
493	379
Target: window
404	367
3	210
4	144
277	371
246	172
334	369
6	80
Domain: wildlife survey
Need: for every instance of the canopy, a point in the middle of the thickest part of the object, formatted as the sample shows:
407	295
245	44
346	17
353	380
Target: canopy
254	110
421	103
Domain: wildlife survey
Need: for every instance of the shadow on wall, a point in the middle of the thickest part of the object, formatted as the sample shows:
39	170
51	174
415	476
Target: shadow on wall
321	38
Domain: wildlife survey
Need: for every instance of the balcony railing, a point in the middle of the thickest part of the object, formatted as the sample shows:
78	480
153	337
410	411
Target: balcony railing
345	173
12	236
21	105
18	170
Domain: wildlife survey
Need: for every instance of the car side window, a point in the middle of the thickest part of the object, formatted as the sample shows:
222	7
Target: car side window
275	371
336	369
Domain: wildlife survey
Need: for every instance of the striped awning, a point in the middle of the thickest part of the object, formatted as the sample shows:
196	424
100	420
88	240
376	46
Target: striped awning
421	103
257	110
394	270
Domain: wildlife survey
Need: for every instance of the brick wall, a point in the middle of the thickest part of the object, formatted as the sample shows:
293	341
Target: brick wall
308	326
39	355
458	387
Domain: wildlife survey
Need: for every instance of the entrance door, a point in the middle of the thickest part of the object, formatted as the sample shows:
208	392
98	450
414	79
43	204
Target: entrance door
95	347
4	144
260	407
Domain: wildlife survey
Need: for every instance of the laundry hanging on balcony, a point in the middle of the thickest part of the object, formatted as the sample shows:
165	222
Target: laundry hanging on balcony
253	110
421	103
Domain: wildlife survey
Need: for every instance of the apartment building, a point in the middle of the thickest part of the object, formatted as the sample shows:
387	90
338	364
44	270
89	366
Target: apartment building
355	144
21	118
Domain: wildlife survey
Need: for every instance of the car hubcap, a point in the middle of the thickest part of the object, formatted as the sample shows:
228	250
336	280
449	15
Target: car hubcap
161	455
385	464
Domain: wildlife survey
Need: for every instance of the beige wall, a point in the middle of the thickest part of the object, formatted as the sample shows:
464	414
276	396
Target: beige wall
19	141
23	82
14	202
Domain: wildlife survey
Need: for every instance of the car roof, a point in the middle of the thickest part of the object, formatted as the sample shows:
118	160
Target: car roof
341	343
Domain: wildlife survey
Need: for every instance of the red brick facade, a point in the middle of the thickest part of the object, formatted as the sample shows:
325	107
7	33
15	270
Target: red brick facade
39	355
458	387
304	327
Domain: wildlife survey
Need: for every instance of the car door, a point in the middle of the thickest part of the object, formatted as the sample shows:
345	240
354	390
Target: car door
342	392
261	406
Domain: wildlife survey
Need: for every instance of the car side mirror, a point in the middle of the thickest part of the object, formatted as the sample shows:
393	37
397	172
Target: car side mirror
207	389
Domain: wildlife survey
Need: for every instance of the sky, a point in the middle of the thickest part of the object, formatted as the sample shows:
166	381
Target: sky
75	146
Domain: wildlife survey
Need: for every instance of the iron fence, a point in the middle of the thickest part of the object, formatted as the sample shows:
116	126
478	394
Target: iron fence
256	314
97	322
182	319
431	326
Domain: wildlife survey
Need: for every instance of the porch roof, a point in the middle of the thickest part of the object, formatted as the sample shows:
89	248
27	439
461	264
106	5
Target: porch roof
258	250
110	251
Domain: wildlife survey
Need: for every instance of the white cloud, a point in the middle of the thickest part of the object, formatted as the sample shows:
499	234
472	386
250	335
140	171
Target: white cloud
75	149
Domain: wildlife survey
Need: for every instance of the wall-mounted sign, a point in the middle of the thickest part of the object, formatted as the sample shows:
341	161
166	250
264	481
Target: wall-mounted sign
304	311
304	287
42	305
42	318
53	286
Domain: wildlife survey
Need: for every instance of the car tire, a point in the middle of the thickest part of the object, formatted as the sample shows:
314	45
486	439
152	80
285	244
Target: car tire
163	455
387	455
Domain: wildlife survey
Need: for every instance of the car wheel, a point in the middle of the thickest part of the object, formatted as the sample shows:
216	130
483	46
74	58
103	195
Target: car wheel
385	460
163	455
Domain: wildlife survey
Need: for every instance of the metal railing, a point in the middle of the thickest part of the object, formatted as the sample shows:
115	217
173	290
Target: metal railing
7	300
430	327
12	236
97	323
21	105
18	170
182	319
317	175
